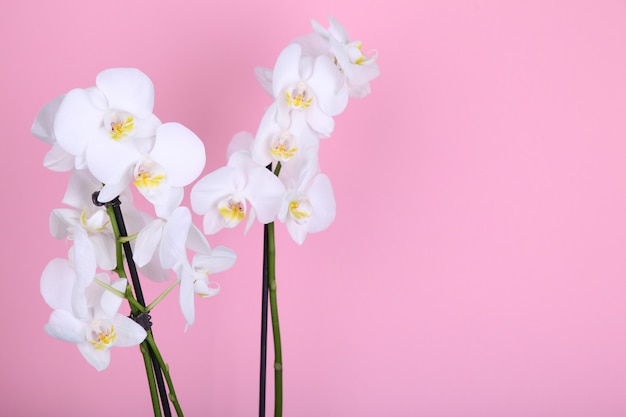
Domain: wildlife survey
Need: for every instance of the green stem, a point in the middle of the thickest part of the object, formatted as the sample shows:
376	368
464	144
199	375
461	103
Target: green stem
136	309
161	296
166	372
149	351
278	356
154	395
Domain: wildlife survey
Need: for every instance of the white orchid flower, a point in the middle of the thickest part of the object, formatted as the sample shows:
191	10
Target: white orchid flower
309	204
167	235
223	196
114	118
310	85
56	159
176	159
274	143
85	215
194	277
100	329
358	67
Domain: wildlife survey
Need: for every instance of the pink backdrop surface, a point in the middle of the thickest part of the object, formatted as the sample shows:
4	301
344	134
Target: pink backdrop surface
476	266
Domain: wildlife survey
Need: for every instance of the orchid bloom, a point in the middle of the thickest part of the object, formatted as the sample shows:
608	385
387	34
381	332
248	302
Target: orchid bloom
223	196
358	67
109	125
85	215
176	159
274	143
57	158
97	331
194	277
309	204
168	235
313	86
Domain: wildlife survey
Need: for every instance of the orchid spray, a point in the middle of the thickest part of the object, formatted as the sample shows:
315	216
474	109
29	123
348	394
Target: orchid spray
115	148
275	174
112	143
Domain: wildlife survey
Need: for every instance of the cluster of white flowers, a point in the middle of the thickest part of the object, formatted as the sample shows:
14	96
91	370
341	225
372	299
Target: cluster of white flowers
108	136
311	82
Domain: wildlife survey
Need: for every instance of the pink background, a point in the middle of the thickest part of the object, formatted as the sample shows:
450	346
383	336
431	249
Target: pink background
476	264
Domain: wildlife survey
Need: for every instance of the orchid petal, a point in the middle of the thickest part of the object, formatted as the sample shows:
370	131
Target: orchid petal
77	117
186	297
147	241
43	126
64	326
211	189
129	333
57	280
109	302
286	70
175	233
265	193
110	160
127	89
58	160
180	151
99	359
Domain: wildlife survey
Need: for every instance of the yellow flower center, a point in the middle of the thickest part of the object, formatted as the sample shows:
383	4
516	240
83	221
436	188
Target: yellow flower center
301	210
232	210
97	222
282	146
101	336
148	176
120	125
299	97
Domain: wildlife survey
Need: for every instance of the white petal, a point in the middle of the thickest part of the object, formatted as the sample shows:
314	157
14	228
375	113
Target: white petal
99	359
57	280
296	231
186	296
196	241
154	272
84	257
104	245
320	121
180	151
241	141
61	221
43	126
286	70
329	86
128	332
77	120
147	241
111	190
110	303
127	89
323	201
109	160
64	326
211	189
175	233
220	259
80	187
58	160
265	193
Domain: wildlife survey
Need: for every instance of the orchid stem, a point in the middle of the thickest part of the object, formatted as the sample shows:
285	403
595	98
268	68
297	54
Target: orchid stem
278	356
166	372
264	299
154	371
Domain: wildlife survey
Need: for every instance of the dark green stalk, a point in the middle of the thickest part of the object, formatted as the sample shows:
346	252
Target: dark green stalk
154	371
278	356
